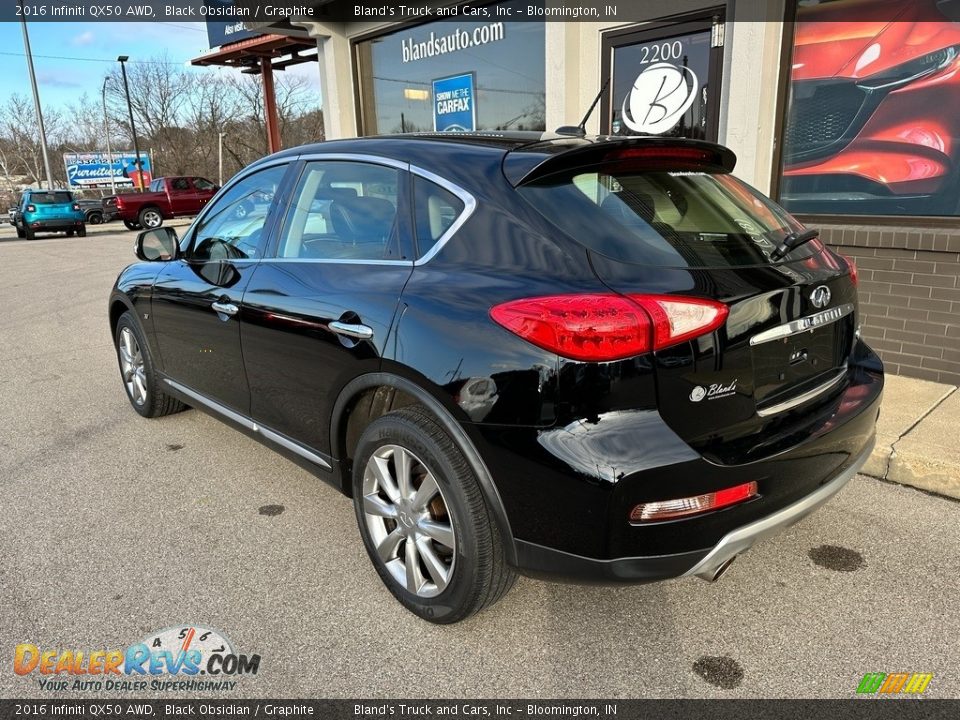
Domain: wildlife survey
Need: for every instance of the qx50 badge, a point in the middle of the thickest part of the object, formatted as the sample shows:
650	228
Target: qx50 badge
713	392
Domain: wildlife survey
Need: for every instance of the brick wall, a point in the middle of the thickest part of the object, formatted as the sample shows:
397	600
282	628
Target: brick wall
909	295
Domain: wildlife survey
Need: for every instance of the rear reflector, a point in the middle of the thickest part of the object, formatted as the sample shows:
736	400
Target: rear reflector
605	327
684	507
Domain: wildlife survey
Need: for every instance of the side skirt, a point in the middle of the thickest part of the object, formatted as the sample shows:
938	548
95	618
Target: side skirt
319	464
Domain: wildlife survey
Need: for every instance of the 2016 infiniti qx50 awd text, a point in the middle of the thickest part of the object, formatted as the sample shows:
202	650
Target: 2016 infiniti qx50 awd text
600	359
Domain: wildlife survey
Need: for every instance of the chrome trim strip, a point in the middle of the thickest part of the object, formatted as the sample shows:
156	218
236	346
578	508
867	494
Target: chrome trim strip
249	424
469	205
741	539
358	157
795	327
293	446
803	397
338	261
213	405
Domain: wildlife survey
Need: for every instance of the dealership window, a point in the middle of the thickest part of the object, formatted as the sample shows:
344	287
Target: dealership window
454	75
872	123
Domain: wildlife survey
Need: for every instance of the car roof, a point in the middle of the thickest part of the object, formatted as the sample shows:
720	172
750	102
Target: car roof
462	156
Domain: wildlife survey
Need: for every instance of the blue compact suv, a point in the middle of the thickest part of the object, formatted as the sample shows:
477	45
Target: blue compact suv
49	211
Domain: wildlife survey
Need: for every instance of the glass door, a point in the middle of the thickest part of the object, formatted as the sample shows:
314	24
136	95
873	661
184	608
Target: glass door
664	77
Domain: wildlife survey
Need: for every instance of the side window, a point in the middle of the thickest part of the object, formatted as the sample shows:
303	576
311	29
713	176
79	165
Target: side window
342	210
232	227
203	184
156	186
435	209
180	184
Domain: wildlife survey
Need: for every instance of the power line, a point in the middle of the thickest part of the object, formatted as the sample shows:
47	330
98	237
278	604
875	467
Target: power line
101	60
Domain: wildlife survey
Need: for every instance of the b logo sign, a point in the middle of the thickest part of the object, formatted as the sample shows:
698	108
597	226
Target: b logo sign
660	96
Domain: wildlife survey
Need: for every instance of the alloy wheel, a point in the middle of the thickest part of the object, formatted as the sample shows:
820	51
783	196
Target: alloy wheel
152	219
131	365
408	521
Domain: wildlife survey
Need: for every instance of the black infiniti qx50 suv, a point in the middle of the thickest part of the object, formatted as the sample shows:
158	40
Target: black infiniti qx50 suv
600	359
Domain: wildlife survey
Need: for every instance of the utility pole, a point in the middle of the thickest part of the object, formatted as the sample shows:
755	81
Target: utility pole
122	59
106	130
36	98
220	159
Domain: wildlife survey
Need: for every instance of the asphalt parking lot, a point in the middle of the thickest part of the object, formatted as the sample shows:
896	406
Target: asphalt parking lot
114	526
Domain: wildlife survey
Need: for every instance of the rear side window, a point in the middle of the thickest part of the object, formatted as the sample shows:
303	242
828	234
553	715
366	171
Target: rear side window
180	184
666	219
50	198
342	211
435	210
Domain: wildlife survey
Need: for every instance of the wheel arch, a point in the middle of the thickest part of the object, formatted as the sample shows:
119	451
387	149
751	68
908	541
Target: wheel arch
119	304
347	425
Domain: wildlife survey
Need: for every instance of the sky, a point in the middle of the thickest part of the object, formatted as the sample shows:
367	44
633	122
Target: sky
72	58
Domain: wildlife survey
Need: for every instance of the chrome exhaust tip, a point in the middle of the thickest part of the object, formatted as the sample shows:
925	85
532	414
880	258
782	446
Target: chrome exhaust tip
714	575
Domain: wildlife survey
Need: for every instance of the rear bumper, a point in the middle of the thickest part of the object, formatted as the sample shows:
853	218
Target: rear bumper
569	514
742	539
539	561
56	223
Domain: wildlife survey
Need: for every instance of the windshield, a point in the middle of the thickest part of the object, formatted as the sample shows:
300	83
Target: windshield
51	198
667	219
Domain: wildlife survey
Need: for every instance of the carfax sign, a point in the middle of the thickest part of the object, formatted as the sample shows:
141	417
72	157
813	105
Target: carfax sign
454	104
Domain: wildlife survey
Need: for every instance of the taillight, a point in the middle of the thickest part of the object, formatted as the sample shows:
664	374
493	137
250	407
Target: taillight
683	507
31	208
852	269
119	203
76	206
605	327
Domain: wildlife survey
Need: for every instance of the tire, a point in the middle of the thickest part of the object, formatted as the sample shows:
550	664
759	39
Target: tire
150	218
82	231
95	218
29	234
130	225
20	233
471	575
137	371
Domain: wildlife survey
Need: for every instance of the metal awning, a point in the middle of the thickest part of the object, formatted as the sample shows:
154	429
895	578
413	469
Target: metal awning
281	50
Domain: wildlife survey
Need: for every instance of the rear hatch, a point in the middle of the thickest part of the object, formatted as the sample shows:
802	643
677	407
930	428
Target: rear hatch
666	218
52	205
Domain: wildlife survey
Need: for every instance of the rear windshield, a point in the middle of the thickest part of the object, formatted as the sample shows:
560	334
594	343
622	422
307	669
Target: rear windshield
51	198
666	219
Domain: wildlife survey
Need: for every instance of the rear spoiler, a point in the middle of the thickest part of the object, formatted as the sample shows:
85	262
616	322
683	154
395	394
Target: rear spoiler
536	160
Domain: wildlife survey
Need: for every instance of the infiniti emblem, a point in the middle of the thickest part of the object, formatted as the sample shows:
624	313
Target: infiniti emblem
820	297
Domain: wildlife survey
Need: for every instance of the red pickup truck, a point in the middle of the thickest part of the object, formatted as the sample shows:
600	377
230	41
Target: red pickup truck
167	197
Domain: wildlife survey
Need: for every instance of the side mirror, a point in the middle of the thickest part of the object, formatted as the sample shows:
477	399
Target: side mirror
160	244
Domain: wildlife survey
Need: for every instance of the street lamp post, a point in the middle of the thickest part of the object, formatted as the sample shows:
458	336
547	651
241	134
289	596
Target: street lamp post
122	59
106	130
36	98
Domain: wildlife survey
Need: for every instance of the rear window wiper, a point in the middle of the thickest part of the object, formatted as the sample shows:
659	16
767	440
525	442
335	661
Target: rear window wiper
792	241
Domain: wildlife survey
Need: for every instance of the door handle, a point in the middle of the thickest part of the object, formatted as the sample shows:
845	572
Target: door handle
359	332
225	308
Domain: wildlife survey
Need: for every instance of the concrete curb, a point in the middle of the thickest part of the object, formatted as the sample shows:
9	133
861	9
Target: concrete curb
918	436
